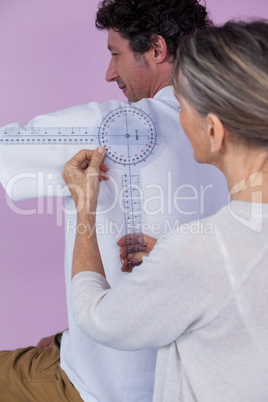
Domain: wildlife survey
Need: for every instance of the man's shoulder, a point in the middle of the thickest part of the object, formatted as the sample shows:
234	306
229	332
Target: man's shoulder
93	112
164	101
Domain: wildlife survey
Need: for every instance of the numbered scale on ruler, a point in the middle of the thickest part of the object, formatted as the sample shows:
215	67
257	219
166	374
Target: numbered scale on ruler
129	136
24	135
130	149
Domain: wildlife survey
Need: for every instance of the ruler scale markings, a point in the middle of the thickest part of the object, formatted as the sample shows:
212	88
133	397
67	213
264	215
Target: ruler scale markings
129	150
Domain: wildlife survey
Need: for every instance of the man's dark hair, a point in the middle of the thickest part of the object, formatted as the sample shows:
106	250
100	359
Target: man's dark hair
139	21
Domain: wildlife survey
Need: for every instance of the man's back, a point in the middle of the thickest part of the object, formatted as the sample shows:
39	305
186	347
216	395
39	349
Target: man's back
142	38
174	189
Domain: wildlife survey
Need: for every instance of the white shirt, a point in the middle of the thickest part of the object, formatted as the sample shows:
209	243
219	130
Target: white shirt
202	299
175	190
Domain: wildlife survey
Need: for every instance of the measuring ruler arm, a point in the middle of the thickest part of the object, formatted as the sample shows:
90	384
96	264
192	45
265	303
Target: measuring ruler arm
29	154
39	154
44	145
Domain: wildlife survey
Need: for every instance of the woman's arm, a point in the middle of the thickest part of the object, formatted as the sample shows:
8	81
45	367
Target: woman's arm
82	175
174	290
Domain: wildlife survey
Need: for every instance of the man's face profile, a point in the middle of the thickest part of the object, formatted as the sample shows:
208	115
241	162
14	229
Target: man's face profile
132	73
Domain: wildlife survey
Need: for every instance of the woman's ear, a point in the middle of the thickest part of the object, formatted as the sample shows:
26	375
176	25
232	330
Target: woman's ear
216	133
159	49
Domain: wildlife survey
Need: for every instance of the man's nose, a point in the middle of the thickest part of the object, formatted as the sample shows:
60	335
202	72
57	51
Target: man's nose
111	74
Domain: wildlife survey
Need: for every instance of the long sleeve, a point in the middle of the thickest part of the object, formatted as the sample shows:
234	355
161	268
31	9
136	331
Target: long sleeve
154	305
28	171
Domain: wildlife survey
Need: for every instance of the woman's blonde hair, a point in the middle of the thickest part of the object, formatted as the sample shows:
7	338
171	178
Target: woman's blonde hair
224	70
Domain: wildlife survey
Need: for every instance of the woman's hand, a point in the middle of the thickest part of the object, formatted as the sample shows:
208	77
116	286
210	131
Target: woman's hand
82	175
130	260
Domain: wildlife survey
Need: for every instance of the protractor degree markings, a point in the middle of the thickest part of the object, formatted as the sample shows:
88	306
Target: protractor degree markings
126	136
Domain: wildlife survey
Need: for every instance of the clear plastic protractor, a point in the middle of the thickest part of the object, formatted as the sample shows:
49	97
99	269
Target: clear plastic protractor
128	134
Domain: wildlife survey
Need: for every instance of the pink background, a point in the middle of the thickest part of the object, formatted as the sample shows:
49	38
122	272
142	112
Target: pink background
52	57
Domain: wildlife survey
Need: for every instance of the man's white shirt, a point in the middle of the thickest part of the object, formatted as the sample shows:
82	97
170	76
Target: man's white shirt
175	189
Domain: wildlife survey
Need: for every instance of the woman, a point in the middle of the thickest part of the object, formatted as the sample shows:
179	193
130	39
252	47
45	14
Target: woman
201	299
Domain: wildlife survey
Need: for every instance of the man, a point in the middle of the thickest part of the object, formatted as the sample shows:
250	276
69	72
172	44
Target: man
142	37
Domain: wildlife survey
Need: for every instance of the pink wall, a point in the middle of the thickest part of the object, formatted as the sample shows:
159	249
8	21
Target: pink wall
52	57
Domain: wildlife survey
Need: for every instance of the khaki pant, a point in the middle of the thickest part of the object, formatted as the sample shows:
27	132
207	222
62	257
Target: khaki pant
34	375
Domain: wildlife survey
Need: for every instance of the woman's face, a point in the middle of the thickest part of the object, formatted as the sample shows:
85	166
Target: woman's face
195	127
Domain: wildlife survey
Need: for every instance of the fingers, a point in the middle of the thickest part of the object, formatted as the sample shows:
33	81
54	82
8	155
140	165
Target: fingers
132	260
122	241
127	266
123	252
84	157
82	175
136	258
81	158
97	158
104	167
84	165
87	161
149	243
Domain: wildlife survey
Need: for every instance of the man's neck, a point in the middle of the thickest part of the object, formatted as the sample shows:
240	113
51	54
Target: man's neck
162	79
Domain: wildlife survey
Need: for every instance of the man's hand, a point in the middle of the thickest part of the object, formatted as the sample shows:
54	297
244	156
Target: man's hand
136	258
46	342
82	175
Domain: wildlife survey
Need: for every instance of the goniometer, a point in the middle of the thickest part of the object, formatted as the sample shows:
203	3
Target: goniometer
129	135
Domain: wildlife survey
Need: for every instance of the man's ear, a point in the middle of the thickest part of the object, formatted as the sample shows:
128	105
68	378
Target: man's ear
159	49
216	133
